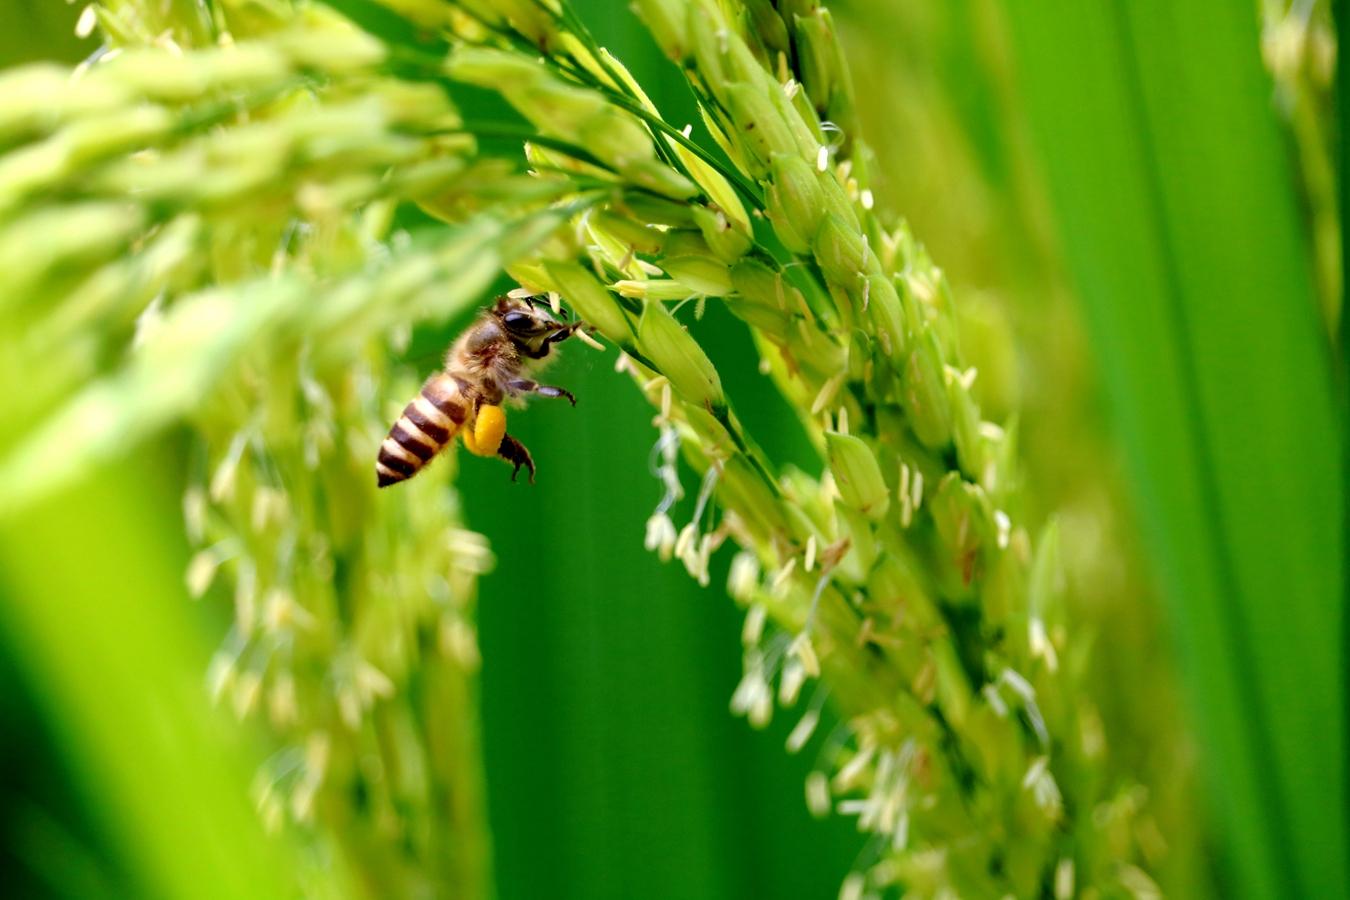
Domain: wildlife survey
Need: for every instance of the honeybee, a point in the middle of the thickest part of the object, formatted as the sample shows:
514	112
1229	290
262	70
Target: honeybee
487	364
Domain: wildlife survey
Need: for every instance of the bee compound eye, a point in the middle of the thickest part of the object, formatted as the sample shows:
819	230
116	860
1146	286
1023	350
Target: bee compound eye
517	321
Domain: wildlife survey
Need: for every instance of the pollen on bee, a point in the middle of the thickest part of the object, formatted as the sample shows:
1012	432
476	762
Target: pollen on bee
487	432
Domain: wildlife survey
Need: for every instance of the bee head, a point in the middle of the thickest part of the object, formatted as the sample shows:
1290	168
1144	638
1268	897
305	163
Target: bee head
528	321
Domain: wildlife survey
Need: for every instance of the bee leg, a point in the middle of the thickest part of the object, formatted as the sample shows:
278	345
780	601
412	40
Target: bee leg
514	452
525	386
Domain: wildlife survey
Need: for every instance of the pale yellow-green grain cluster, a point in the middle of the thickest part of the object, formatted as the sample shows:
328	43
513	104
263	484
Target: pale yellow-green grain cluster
352	639
199	228
901	577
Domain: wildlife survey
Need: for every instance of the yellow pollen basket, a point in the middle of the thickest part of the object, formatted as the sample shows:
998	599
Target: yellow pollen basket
487	432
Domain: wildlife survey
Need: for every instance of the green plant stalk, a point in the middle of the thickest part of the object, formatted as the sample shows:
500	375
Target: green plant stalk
121	666
1341	16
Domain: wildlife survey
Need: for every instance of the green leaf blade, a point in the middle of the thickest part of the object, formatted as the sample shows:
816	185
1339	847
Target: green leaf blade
1175	204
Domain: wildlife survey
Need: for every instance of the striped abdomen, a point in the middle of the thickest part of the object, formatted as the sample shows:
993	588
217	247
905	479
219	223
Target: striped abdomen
428	423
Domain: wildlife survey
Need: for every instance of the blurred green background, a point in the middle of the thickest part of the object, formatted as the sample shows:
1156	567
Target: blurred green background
1118	256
